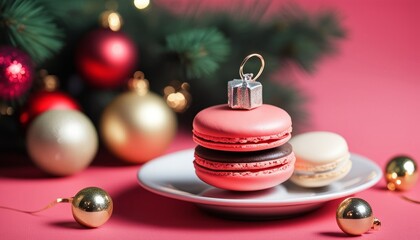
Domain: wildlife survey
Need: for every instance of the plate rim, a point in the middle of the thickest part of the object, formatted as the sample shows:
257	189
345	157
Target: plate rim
194	198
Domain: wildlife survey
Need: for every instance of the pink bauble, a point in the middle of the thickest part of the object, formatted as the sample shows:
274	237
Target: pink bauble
106	59
16	72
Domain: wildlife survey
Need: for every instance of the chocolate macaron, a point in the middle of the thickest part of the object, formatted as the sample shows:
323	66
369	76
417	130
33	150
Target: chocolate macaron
244	171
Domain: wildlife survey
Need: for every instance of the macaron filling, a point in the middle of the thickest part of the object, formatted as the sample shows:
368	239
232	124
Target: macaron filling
340	170
306	166
218	166
246	172
274	159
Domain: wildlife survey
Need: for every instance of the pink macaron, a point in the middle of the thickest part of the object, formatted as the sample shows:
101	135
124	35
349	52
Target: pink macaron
244	171
221	128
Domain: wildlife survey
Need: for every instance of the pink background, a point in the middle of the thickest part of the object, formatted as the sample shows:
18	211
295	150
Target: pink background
368	93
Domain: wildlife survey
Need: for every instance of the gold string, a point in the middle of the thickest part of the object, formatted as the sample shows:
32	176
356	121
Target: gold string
410	199
50	205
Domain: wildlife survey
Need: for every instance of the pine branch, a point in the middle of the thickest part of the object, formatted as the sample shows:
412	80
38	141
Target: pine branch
304	38
30	27
200	50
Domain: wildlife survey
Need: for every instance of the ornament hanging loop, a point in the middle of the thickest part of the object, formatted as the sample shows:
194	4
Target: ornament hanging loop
247	76
246	93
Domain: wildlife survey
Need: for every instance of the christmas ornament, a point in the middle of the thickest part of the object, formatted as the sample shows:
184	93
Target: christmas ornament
138	126
62	142
91	206
401	173
246	93
354	216
106	58
46	99
16	72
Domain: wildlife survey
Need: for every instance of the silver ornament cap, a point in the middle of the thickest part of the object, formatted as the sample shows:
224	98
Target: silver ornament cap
246	93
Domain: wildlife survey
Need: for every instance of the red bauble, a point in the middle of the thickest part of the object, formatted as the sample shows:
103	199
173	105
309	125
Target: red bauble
44	101
106	59
16	72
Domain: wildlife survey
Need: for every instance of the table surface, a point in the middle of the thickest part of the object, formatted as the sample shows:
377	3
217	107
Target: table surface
139	214
369	93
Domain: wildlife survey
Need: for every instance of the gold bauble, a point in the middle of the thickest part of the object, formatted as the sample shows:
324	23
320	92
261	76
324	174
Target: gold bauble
354	216
138	127
92	207
62	142
401	173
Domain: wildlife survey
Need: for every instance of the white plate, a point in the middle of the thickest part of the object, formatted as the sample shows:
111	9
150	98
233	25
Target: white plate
173	176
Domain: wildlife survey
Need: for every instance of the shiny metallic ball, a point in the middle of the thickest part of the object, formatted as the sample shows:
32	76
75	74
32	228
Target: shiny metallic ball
138	127
92	207
401	173
354	216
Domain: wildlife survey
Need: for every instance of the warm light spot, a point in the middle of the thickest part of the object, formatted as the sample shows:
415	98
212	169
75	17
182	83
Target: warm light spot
114	21
177	101
398	182
111	20
177	96
394	175
50	83
6	110
141	86
141	4
185	86
168	90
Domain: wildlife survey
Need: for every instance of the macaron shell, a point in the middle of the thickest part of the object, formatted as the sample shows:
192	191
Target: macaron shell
318	148
246	180
244	147
222	128
322	179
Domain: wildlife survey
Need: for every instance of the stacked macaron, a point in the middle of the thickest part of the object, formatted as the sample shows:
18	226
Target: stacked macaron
321	158
242	145
243	150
